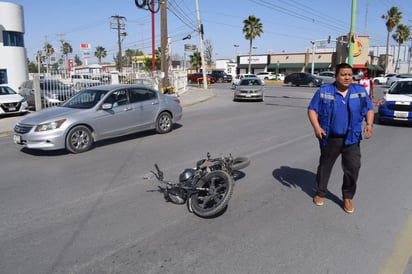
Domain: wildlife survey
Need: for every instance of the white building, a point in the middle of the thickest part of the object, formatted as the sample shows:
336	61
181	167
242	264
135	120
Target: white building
13	56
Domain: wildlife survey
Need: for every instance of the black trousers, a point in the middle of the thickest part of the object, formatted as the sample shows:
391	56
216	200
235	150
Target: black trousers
351	162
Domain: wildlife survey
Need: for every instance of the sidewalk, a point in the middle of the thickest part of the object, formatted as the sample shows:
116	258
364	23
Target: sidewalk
191	96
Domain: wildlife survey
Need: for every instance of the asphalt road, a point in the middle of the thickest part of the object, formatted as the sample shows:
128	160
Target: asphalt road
100	212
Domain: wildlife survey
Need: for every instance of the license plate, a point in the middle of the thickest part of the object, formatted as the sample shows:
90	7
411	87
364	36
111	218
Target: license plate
12	109
248	95
401	114
17	139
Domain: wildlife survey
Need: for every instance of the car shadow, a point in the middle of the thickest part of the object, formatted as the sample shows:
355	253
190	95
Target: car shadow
303	179
111	141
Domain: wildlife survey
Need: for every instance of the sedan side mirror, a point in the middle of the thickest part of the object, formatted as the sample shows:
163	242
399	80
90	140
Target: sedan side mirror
107	106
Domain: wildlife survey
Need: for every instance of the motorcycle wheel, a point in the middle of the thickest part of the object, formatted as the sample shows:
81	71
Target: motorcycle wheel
240	162
213	194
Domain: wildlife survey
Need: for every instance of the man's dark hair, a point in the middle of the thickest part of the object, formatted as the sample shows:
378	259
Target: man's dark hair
342	66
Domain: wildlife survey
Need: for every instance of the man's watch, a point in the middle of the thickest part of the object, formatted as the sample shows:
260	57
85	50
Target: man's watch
368	124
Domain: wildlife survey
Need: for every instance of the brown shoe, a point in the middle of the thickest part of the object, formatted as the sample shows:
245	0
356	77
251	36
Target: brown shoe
348	206
317	200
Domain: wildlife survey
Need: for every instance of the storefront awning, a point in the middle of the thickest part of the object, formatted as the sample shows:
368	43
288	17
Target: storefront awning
319	66
359	66
286	66
375	67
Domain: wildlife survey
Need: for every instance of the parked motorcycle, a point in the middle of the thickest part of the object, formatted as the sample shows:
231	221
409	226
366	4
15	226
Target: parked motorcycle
207	188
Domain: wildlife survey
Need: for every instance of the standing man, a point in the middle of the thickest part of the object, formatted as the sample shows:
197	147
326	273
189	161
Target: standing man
336	112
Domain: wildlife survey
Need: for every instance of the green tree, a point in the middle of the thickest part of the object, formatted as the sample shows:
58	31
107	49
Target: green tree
100	53
77	60
147	65
129	54
392	18
252	27
195	60
49	51
66	49
401	35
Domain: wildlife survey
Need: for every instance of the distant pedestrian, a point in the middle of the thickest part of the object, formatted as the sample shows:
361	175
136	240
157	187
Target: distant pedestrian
336	112
368	85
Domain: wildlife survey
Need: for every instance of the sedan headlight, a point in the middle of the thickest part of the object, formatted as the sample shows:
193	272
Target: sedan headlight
49	126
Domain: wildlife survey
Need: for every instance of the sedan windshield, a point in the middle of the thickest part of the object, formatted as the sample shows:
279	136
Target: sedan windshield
402	87
85	99
250	82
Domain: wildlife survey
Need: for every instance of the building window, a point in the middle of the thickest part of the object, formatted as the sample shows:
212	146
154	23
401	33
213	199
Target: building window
13	39
3	76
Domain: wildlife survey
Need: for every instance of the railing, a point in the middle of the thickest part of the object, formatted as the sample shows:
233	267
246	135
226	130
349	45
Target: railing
49	90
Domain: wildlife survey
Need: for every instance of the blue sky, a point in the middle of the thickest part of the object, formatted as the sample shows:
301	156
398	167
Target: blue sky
287	25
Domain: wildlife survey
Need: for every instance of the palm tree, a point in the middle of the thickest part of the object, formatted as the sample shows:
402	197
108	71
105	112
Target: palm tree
402	34
393	17
195	60
66	48
252	27
49	50
100	53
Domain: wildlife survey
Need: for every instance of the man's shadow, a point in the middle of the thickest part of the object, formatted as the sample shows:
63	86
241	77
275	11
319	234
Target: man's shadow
300	178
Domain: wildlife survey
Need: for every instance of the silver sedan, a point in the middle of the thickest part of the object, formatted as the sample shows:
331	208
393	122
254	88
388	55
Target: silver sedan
98	113
249	89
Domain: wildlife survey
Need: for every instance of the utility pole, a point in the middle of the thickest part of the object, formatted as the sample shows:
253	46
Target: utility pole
352	33
202	59
120	26
164	44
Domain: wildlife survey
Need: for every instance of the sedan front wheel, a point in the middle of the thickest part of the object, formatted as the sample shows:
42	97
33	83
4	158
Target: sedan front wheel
79	139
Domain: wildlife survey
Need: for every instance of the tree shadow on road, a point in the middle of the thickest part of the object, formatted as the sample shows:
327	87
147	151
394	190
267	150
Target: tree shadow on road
300	178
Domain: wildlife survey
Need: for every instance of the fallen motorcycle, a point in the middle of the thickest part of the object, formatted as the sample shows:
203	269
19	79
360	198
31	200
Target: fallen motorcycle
207	188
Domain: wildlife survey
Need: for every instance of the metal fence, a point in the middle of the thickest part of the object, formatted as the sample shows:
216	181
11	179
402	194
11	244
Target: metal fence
46	90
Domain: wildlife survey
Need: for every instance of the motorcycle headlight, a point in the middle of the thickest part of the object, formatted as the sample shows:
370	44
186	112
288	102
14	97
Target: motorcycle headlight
49	126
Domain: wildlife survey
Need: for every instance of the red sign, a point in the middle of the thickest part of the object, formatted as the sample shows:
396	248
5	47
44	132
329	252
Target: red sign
84	46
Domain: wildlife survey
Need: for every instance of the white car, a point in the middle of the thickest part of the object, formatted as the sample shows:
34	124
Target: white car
11	102
396	104
266	75
382	79
236	80
328	77
397	77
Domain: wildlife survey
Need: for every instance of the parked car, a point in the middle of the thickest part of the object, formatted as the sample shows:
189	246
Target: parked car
396	104
221	76
250	88
53	92
194	78
239	77
266	75
98	113
302	78
281	76
382	79
328	77
80	81
397	77
11	102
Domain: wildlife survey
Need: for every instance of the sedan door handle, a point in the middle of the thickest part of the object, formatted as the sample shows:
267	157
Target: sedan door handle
127	109
155	103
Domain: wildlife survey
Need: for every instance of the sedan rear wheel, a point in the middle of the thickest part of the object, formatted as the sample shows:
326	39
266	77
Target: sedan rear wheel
79	139
164	123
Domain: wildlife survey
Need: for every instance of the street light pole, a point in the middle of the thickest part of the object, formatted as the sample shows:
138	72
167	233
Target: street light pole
352	33
236	46
313	56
